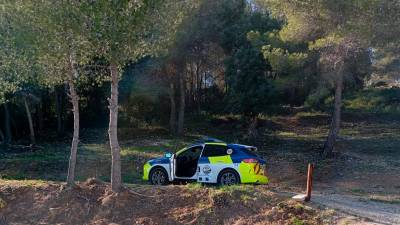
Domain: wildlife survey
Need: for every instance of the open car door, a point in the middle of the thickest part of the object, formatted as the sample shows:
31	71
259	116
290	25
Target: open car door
185	163
172	167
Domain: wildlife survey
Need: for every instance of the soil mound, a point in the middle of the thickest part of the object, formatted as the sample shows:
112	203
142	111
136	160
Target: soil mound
92	202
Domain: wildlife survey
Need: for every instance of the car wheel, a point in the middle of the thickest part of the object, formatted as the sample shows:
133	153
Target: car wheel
228	177
158	176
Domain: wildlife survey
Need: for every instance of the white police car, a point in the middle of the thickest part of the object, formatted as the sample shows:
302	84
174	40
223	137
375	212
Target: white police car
210	161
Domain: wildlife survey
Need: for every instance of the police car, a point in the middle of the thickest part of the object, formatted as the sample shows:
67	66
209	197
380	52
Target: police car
210	161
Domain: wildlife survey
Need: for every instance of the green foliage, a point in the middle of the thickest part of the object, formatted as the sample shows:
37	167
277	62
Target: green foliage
285	58
297	221
363	101
17	51
374	101
281	60
65	44
317	99
139	110
123	31
292	65
250	91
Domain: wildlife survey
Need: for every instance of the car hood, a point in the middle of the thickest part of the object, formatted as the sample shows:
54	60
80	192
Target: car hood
160	160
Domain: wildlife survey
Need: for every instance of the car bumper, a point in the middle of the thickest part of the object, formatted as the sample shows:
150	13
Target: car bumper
257	179
146	171
252	173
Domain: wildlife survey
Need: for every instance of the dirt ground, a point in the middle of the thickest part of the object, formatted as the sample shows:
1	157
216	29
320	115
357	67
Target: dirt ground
92	202
363	177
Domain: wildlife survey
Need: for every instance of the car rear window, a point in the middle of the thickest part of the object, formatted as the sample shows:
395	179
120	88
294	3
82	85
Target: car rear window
248	151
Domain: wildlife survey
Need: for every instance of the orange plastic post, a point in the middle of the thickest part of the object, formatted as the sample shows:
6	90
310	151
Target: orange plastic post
309	182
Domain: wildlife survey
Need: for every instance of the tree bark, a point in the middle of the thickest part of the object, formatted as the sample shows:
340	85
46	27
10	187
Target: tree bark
253	130
7	124
1	136
60	127
116	181
335	124
198	88
74	98
40	114
172	116
30	121
181	116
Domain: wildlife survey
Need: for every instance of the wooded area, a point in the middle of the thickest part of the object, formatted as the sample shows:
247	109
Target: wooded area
67	67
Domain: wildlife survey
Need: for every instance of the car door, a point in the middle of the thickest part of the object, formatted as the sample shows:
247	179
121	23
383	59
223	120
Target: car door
193	153
172	167
214	158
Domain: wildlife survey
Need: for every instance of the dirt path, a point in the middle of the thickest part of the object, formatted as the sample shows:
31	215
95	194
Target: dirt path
355	210
379	212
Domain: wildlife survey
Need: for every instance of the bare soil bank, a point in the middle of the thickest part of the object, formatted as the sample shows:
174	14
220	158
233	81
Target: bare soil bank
92	202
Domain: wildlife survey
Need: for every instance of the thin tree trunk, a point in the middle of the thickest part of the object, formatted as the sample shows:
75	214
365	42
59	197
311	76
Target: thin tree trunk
116	181
191	93
253	130
198	88
60	129
172	117
40	114
181	116
204	89
7	125
74	98
15	128
30	121
1	136
335	124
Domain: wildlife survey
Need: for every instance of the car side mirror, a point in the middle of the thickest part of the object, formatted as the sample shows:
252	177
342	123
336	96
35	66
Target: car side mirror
168	155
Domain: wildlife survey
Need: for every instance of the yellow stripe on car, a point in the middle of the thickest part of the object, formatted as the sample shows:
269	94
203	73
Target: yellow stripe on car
215	143
220	159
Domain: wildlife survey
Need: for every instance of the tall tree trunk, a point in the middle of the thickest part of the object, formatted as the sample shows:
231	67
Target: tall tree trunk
253	134
7	124
15	128
30	121
40	114
1	136
172	116
191	91
58	96
204	89
198	88
116	181
74	98
335	124
181	116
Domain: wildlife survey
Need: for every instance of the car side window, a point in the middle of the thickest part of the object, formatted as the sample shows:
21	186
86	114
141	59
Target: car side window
191	152
214	150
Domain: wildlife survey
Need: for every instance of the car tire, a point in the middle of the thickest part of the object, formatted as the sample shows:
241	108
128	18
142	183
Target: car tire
158	176
228	177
